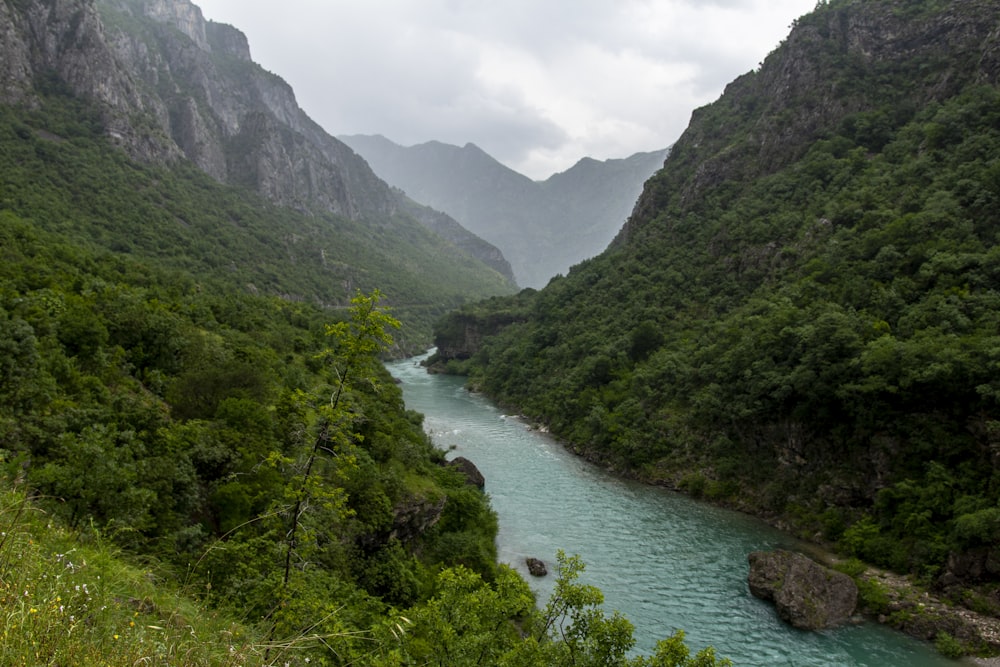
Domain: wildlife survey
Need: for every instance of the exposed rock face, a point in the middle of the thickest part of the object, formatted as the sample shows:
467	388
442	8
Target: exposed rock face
415	516
181	14
806	594
460	335
973	566
170	84
236	121
227	40
469	469
63	43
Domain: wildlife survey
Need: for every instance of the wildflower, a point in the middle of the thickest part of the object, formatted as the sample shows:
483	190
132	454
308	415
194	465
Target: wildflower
116	637
32	611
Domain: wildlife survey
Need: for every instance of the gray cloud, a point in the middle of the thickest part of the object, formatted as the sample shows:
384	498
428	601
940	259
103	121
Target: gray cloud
536	83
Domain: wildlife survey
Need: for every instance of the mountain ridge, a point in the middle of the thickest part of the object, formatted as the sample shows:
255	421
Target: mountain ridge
542	227
799	317
172	85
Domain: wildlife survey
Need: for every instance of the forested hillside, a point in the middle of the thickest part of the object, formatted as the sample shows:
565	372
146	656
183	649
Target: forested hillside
802	316
192	396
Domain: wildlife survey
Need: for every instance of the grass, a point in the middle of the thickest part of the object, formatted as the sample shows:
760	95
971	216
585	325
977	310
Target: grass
67	601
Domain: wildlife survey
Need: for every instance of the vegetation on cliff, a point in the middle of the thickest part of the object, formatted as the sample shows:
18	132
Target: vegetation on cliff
801	316
184	384
62	176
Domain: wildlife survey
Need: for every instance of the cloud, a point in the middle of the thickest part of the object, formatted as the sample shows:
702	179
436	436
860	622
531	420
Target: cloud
538	84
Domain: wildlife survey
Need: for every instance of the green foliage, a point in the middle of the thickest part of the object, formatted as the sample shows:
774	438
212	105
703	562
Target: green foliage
187	423
63	601
814	335
948	646
471	622
63	176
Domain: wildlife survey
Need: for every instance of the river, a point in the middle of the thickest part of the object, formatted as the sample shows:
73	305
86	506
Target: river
664	560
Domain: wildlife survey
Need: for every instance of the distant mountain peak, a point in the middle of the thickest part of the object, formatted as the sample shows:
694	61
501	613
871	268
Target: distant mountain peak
542	227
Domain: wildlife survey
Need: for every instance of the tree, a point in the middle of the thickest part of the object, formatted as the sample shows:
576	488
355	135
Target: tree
358	343
472	623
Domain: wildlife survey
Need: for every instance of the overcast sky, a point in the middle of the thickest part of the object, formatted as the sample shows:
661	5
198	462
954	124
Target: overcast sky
537	84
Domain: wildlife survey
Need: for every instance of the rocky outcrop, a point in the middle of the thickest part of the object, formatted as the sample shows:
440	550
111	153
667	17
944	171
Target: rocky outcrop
170	85
237	122
459	334
415	516
472	475
62	47
971	567
183	15
805	594
227	40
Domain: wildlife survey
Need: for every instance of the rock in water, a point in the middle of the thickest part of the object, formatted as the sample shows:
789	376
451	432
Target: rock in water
536	567
806	594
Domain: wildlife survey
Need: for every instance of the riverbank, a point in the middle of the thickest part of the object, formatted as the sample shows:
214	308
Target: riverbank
891	599
919	613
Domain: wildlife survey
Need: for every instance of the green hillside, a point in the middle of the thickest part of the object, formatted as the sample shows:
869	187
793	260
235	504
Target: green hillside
203	460
802	318
58	172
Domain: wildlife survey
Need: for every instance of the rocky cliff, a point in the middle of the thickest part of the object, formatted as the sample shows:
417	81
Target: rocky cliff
171	85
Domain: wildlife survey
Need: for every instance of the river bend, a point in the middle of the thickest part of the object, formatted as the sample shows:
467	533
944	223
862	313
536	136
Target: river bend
662	559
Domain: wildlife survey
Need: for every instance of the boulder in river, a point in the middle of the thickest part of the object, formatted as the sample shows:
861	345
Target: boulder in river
805	594
469	469
536	567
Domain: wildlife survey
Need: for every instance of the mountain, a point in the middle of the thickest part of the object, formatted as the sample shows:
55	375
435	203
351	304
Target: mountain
171	90
543	228
799	318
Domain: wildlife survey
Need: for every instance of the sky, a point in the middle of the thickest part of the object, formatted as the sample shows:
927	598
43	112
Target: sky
537	84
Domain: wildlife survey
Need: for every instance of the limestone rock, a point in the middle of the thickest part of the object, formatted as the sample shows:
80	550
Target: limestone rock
472	475
806	594
169	85
414	516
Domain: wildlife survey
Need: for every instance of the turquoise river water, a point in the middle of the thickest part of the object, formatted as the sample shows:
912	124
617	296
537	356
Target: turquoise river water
664	560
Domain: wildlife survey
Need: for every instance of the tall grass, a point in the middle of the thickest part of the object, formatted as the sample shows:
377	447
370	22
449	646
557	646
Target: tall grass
64	601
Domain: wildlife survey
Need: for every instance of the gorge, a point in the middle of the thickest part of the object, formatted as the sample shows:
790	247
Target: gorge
666	561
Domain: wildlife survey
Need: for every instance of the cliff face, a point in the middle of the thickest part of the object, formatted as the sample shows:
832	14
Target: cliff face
64	43
237	122
171	85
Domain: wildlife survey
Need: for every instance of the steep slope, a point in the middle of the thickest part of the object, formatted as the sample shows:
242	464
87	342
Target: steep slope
171	90
800	317
543	228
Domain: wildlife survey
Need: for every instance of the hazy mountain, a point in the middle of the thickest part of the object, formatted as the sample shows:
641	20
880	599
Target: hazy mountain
542	227
170	90
800	316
